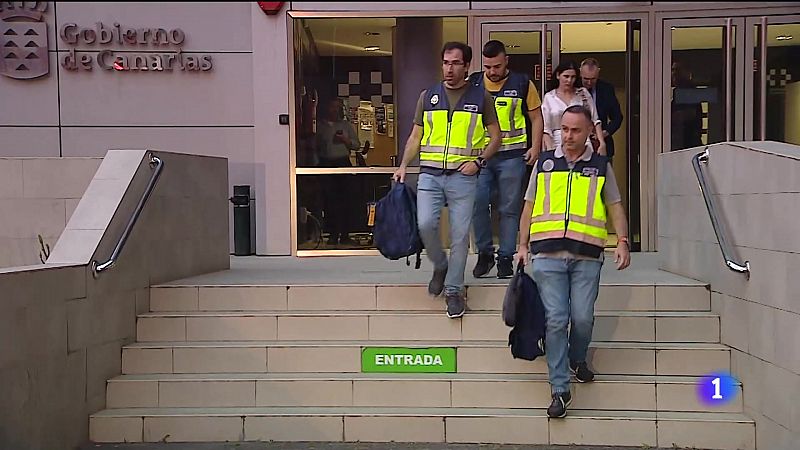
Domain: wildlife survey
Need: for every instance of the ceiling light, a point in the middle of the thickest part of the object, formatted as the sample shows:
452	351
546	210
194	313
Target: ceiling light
371	48
784	37
371	33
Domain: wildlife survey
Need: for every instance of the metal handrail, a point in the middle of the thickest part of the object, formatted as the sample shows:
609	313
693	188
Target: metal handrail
724	244
158	165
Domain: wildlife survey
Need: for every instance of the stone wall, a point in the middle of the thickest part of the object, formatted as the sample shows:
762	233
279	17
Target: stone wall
62	329
757	188
37	197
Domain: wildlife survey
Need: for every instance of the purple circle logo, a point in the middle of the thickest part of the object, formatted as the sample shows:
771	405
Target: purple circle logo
717	389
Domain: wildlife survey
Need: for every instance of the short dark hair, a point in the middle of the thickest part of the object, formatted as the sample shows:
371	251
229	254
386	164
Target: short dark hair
493	48
579	109
466	50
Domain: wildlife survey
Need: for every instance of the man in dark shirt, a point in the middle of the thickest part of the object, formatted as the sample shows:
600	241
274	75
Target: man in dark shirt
608	110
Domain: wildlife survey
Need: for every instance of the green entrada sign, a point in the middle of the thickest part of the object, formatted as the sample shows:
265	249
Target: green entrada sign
408	360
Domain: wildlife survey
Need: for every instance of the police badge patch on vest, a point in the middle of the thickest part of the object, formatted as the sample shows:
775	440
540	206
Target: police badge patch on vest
590	171
511	93
548	165
435	99
471	108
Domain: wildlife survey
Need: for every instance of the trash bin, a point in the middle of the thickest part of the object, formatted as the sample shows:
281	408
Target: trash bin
241	220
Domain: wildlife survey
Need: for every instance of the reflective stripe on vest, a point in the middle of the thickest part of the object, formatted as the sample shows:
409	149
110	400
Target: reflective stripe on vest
447	144
569	205
509	103
512	122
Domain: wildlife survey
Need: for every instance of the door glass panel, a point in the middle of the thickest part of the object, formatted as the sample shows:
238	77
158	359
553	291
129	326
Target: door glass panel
697	98
606	44
524	49
783	89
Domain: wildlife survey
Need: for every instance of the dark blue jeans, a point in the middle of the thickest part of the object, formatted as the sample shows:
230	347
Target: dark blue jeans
506	176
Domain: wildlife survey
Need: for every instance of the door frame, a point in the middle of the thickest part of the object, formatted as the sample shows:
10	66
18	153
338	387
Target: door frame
734	110
481	26
750	42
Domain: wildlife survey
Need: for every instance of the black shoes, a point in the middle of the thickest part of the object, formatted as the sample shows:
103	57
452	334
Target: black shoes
558	408
456	305
505	267
484	265
436	286
581	371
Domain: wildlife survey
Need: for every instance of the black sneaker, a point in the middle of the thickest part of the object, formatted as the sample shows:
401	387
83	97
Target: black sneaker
484	265
505	267
456	305
436	286
581	372
558	408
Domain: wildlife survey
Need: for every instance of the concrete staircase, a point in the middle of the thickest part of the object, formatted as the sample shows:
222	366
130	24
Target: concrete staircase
274	362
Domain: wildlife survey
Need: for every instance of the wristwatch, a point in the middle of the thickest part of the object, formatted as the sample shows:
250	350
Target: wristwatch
481	162
625	240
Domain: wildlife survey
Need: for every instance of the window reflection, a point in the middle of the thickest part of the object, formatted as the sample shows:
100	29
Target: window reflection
334	210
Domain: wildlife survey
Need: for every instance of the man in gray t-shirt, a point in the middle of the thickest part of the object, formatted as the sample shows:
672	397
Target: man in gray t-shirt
567	241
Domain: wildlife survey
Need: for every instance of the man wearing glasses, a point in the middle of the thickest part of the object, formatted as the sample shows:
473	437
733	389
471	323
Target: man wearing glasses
451	122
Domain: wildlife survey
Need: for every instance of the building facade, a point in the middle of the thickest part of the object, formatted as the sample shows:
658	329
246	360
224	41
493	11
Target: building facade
254	82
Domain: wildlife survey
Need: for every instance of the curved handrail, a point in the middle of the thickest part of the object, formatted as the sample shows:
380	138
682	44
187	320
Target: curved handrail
724	244
158	165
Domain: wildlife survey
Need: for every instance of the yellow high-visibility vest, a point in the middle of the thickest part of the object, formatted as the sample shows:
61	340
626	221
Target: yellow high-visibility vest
449	142
511	107
568	211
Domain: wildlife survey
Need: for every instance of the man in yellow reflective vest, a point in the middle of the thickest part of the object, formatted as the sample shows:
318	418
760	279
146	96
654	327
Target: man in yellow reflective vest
452	120
516	101
564	219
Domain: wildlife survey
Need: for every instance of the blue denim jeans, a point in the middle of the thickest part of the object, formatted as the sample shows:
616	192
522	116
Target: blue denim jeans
506	177
568	288
458	191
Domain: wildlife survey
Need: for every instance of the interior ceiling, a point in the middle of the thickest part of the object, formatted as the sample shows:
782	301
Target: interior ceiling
346	37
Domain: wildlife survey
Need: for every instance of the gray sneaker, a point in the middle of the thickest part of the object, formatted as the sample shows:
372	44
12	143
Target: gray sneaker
456	305
436	286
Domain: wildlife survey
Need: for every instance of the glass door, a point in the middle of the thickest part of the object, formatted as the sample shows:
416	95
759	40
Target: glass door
776	71
612	46
703	97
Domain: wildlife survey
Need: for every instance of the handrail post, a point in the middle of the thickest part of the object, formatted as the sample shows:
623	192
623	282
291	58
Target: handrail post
724	245
157	164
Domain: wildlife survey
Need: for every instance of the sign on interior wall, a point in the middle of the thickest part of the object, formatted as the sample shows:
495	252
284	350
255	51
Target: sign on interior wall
23	40
167	40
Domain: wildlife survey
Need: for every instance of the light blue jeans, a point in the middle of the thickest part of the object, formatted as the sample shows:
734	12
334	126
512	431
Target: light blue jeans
568	288
458	192
504	175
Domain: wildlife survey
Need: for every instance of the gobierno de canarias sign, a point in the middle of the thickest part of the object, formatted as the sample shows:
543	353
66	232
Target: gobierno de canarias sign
408	360
167	43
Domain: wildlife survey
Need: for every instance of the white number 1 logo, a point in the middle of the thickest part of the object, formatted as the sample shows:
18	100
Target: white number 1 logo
717	395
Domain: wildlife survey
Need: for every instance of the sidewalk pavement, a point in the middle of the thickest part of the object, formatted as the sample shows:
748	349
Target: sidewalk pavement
345	446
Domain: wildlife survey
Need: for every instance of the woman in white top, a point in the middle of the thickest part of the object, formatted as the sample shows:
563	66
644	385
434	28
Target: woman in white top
557	100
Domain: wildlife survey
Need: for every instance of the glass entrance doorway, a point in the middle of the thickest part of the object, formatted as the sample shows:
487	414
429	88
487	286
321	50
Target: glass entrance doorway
537	48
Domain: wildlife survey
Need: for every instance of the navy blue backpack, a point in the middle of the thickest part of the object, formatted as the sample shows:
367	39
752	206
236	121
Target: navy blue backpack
396	234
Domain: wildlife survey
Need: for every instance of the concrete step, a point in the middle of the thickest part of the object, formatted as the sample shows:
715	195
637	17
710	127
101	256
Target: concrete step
607	392
692	359
619	326
457	425
386	297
